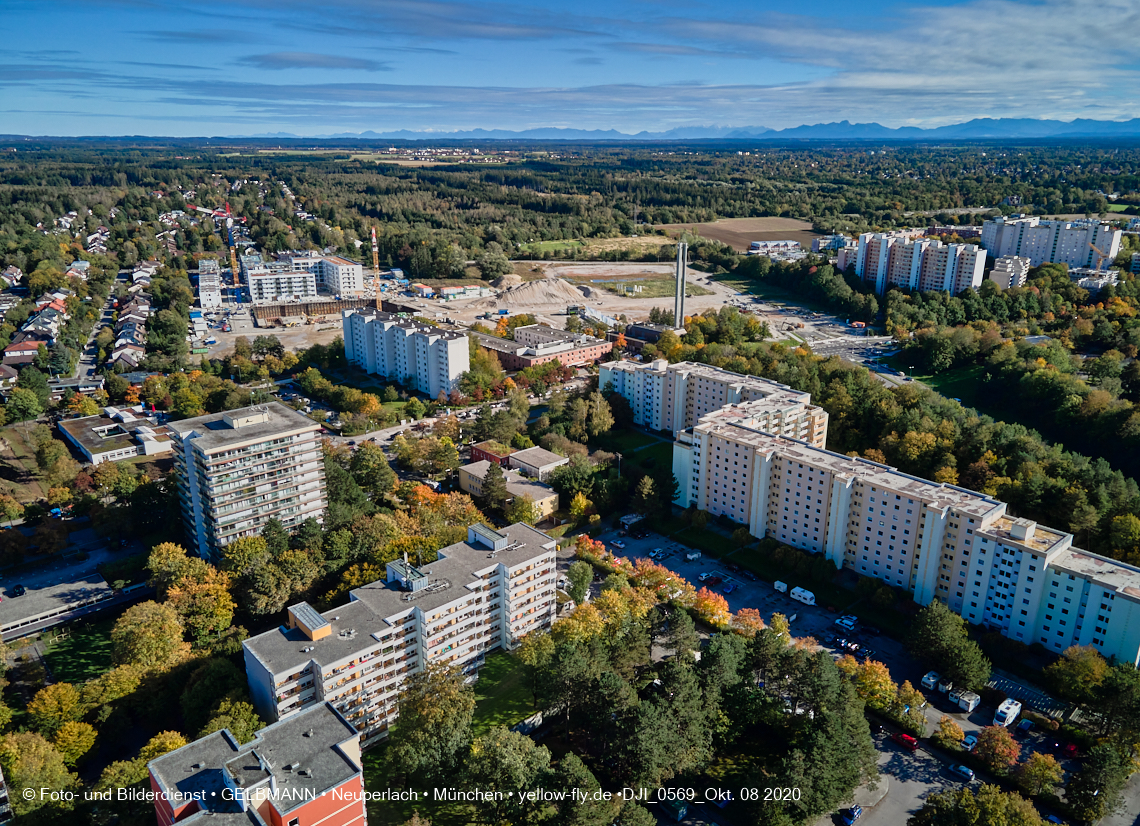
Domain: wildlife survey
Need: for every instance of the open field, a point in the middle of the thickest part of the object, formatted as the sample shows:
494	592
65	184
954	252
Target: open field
739	232
81	655
502	695
19	474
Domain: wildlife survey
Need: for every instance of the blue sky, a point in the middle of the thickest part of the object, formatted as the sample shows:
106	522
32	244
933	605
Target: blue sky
311	67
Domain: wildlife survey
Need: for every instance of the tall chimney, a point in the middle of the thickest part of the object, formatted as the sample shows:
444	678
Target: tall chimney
679	300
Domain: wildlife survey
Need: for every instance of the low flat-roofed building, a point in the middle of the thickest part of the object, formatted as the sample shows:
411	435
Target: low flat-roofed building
570	349
491	451
544	497
117	433
536	462
303	770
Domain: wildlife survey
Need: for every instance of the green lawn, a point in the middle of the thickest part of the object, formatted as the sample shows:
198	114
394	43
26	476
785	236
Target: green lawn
502	694
653	458
85	654
1118	207
624	441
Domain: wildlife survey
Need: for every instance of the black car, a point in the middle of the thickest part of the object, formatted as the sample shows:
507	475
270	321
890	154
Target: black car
17	591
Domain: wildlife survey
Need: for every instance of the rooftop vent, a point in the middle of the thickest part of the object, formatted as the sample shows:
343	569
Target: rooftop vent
308	733
292	767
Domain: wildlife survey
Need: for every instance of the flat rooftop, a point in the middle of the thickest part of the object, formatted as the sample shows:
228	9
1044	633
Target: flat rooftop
407	323
1044	539
375	607
866	471
538	457
517	484
215	433
93	434
1109	574
309	740
43	603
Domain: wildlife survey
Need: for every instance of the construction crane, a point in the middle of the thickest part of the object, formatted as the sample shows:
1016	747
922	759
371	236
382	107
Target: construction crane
1101	256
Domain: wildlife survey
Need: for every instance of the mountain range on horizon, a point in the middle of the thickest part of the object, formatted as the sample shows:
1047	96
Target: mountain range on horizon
976	129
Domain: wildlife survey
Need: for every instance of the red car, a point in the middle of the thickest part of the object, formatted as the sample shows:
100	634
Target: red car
906	741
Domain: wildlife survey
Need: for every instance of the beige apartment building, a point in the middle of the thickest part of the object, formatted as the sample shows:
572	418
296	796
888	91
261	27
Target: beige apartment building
675	397
239	469
480	595
935	540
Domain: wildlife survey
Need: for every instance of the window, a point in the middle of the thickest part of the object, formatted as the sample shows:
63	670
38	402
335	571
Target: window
295	822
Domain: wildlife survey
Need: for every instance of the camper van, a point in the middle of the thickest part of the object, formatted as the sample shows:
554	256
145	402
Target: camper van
782	587
1007	712
803	595
969	701
931	679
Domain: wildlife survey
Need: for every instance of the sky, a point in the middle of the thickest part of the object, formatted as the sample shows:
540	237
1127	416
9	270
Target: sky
319	67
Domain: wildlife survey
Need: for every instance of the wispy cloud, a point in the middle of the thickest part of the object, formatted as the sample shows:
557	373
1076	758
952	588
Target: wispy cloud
310	60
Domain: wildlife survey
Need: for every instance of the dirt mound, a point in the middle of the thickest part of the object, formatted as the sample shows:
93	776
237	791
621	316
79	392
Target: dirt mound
507	281
532	295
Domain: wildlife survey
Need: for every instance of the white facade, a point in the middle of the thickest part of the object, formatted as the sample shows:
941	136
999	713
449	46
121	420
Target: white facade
209	290
1051	242
1010	271
673	397
896	259
935	540
239	469
341	276
417	355
479	596
290	285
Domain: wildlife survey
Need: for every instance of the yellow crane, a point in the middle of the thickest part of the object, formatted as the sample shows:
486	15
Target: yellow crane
1101	256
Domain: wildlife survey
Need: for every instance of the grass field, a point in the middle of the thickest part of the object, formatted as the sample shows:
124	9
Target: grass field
502	694
624	441
84	654
1118	207
664	286
19	473
547	246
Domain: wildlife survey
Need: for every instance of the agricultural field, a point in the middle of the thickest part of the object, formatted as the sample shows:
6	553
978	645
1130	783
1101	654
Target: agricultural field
738	233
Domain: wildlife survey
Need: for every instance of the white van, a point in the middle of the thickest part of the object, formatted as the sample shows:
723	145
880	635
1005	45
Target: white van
931	679
969	701
782	587
945	684
694	556
803	595
1007	712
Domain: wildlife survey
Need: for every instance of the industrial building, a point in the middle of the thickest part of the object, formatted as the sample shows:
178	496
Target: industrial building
415	354
239	469
478	596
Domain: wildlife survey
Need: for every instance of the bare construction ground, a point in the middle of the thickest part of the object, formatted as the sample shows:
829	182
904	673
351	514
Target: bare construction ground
738	233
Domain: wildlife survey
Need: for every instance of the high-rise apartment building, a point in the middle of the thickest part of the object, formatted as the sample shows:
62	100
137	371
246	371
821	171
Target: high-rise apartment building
480	595
1010	271
277	284
209	290
674	397
303	771
415	354
239	469
1051	242
922	264
935	540
332	273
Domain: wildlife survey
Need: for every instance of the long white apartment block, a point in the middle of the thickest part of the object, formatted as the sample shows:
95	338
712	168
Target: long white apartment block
333	273
898	260
1051	242
674	397
415	354
935	540
480	595
276	284
239	469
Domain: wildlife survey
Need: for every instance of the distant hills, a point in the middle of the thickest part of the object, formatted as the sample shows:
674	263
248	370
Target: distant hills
977	129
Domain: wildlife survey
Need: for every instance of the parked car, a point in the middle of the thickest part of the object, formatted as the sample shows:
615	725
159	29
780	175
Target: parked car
693	556
617	543
852	814
714	581
848	622
965	772
728	588
969	741
705	576
906	741
1024	728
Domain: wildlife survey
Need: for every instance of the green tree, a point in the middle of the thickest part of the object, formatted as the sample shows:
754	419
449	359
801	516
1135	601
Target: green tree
434	728
237	716
29	761
73	740
571	773
535	650
522	509
580	574
965	806
370	469
601	418
207	685
511	763
1039	774
682	631
414	408
645	499
150	635
23	406
55	705
1078	673
1096	790
32	379
579	505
